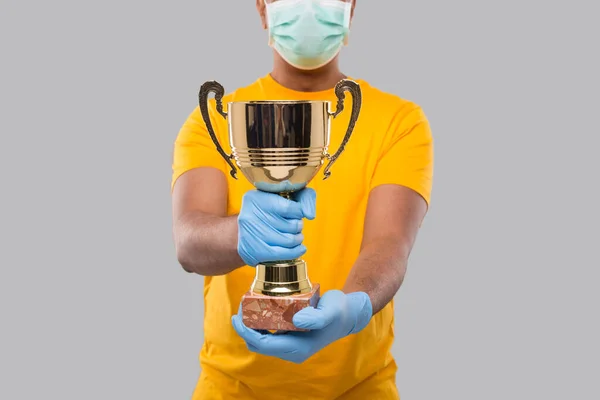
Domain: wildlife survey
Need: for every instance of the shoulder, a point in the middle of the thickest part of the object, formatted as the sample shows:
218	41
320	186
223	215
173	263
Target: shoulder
387	103
391	116
242	93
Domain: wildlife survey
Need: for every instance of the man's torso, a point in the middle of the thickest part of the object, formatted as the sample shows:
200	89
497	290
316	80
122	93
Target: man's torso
333	241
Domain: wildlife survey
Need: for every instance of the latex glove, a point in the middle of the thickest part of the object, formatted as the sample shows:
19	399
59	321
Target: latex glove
270	226
337	315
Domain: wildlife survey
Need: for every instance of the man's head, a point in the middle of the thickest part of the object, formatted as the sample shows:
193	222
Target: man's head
307	34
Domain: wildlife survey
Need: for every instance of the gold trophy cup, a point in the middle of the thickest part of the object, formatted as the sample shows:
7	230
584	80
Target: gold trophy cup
279	146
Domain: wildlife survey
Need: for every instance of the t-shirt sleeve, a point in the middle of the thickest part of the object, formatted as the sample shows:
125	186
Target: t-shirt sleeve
406	157
194	147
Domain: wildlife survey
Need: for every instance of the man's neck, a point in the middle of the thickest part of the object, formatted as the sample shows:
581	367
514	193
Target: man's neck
324	78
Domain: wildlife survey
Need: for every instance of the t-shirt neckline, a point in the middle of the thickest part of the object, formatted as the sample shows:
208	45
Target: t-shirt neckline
297	94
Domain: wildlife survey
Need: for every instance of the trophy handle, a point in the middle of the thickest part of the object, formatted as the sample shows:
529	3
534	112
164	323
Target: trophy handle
340	88
219	91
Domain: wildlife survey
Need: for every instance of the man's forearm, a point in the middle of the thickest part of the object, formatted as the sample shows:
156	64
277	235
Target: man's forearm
207	244
378	271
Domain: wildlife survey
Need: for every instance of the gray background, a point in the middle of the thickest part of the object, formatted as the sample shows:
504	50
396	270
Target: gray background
501	297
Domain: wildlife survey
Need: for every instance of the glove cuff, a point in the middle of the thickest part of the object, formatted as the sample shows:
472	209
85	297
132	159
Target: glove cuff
361	302
249	260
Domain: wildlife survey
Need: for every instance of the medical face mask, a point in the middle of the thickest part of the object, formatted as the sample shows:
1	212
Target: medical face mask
308	34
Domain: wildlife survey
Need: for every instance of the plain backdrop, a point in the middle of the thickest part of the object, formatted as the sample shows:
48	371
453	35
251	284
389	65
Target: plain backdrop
501	298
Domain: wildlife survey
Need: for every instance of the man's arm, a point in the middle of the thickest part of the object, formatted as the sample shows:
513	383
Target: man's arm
394	215
205	237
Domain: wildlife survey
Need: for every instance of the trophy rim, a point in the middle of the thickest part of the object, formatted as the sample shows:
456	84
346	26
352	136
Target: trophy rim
277	102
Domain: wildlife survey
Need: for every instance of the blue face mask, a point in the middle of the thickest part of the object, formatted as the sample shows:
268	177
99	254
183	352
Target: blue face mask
308	34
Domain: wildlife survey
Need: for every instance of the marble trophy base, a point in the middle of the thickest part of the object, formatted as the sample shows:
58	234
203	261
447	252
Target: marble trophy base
274	313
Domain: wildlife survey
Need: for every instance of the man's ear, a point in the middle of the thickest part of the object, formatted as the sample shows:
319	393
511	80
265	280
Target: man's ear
260	7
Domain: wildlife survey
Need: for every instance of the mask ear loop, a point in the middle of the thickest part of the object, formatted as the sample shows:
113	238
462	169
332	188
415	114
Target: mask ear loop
348	21
347	34
269	36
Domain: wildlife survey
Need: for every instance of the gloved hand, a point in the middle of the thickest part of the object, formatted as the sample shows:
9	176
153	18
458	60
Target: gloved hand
337	315
270	226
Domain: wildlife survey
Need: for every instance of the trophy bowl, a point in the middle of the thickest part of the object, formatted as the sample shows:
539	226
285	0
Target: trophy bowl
279	146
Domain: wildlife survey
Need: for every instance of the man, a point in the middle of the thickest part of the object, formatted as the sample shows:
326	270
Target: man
354	230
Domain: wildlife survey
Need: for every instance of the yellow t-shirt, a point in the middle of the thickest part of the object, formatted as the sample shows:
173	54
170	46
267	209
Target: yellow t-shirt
391	144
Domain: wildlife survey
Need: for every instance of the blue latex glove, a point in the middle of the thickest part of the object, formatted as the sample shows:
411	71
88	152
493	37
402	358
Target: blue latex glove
337	315
270	226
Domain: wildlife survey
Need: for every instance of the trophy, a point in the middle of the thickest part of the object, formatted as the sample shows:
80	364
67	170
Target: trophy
279	146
